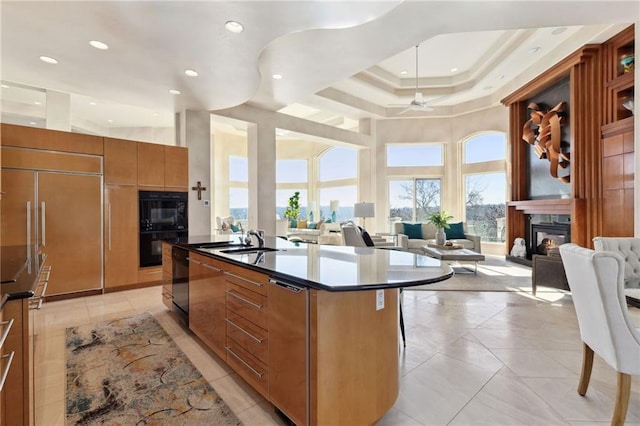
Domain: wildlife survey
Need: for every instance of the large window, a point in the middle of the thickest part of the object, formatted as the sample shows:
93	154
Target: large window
238	192
485	186
337	173
291	171
414	199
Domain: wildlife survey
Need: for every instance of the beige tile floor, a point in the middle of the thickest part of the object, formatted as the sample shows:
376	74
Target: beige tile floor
497	358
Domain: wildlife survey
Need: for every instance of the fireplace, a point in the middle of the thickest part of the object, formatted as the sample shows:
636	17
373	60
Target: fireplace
547	235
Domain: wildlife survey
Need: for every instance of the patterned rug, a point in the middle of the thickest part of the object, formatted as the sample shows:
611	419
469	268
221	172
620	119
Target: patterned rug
130	372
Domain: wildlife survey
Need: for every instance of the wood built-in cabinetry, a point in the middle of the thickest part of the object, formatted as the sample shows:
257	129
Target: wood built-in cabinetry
167	275
53	200
89	186
120	213
618	150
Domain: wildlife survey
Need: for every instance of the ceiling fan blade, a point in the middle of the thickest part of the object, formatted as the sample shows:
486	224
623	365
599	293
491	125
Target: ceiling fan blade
404	110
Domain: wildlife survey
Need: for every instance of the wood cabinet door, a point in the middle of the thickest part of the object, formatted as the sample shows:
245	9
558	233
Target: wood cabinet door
150	165
288	319
207	302
176	167
18	208
70	213
120	161
121	236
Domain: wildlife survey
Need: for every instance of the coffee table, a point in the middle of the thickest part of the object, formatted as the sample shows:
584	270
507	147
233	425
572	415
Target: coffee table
456	255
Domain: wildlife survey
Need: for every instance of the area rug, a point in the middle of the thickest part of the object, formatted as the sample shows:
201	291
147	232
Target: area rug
130	372
494	274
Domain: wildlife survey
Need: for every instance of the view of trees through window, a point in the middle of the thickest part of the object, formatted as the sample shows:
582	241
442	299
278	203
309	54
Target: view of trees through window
485	193
414	199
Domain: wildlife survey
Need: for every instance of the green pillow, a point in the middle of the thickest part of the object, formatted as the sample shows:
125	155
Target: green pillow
455	231
413	230
235	228
312	225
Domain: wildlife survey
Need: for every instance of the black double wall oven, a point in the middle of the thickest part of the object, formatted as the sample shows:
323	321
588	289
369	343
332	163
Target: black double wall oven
163	216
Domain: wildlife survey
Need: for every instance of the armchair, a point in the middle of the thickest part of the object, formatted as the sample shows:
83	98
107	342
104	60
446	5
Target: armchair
596	279
629	249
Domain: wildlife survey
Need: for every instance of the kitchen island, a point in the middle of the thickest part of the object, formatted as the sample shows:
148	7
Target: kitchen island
313	328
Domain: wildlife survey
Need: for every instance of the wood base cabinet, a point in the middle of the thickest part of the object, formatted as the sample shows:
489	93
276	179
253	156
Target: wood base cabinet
206	302
167	275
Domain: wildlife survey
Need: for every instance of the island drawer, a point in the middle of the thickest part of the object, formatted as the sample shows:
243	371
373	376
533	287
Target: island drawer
254	281
248	367
249	305
249	336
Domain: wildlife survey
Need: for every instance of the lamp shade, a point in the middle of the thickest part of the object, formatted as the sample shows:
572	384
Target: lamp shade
333	205
364	210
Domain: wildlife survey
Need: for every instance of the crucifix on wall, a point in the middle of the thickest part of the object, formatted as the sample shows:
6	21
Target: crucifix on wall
199	188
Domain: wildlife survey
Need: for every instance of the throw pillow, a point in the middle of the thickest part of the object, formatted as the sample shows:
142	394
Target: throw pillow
455	231
366	238
302	224
413	230
235	228
225	226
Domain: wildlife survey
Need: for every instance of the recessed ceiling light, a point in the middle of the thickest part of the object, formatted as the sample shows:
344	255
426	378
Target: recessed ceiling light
174	92
535	49
4	86
559	30
110	121
33	123
404	72
98	45
234	27
191	73
37	103
155	114
454	69
48	60
92	103
277	76
501	77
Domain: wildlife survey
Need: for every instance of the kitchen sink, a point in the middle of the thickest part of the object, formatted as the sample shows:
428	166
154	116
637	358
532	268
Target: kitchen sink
218	244
249	250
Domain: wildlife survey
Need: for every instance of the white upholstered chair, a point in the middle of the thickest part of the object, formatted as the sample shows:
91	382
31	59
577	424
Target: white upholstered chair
629	249
596	280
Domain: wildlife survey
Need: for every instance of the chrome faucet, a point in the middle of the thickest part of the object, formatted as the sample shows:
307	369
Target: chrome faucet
258	234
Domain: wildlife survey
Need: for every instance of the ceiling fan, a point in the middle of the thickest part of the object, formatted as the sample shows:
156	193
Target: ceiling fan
417	103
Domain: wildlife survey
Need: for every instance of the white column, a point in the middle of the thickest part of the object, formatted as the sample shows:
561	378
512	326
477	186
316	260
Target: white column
195	134
261	146
58	111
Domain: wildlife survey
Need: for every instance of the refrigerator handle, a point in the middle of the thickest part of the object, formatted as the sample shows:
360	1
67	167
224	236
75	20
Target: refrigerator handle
28	229
44	224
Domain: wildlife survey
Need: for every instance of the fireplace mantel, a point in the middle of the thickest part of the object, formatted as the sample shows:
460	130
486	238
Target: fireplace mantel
552	206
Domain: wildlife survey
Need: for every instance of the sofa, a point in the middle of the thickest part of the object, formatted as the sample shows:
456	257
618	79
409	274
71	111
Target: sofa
411	240
321	234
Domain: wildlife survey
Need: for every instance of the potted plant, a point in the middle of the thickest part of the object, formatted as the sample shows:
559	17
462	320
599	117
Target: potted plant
441	221
293	209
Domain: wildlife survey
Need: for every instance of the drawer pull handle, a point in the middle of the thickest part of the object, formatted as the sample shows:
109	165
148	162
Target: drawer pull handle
243	279
243	330
247	301
167	295
5	333
244	362
213	268
194	261
5	372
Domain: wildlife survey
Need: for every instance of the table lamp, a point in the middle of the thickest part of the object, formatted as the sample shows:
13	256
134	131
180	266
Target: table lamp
333	206
364	210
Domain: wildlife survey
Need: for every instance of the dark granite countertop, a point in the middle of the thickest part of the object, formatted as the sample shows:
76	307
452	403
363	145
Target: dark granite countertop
19	272
331	268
